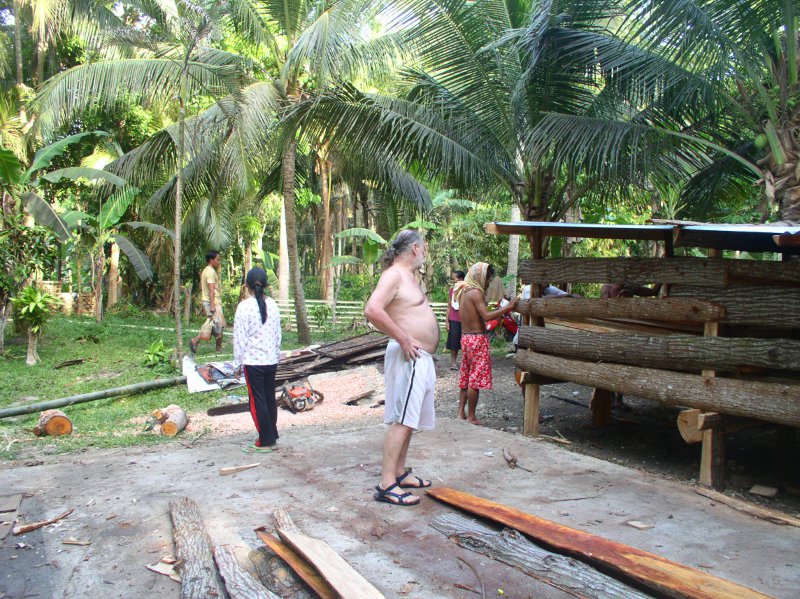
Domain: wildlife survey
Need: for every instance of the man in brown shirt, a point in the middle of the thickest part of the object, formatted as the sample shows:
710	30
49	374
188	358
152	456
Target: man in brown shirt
212	299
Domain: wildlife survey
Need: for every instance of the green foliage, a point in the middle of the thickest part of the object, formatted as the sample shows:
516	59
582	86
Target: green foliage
34	307
23	250
321	313
157	354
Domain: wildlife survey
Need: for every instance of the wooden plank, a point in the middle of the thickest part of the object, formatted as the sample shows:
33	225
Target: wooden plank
749	508
653	571
530	419
776	306
299	565
531	228
764	401
662	309
683	270
677	352
509	547
339	574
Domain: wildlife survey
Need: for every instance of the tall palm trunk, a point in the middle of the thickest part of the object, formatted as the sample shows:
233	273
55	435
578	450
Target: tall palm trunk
287	172
98	266
33	353
283	259
18	57
113	275
513	253
326	249
176	272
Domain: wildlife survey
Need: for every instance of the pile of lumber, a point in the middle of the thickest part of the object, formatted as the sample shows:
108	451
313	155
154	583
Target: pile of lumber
207	570
336	355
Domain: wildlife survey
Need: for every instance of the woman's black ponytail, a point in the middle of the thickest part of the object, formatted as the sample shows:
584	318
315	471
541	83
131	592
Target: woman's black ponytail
256	281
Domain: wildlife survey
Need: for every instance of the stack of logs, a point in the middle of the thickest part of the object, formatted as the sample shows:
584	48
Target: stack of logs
720	342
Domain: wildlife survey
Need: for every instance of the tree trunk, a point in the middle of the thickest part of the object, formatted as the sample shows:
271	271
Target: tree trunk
79	282
18	58
174	420
33	354
199	577
772	402
248	257
176	267
513	254
97	278
4	316
326	243
287	171
113	276
238	582
676	352
41	55
53	423
283	259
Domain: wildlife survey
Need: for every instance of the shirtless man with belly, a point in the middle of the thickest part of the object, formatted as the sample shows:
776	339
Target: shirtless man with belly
399	308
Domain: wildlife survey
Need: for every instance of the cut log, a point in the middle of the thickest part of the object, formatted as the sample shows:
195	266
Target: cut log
23	528
512	548
775	306
681	270
688	426
238	583
764	401
175	420
339	574
653	571
299	565
199	577
54	423
749	508
663	309
675	352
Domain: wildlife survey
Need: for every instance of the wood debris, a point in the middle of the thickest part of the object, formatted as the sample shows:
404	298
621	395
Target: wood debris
749	508
299	565
234	469
165	569
764	491
639	525
21	530
74	541
337	355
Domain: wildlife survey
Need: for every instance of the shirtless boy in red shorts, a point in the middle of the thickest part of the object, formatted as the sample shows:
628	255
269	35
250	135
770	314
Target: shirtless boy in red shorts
476	364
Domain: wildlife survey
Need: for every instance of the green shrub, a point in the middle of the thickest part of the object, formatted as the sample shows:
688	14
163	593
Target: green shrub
157	354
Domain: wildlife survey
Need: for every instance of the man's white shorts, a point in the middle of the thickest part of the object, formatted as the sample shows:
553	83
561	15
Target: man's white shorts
410	386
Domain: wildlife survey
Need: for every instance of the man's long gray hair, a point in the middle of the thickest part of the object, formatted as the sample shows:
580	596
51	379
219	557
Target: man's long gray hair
402	244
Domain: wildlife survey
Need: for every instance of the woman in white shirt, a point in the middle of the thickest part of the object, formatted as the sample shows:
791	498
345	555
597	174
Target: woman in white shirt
256	348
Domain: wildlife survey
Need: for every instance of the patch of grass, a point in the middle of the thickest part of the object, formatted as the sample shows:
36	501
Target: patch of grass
114	356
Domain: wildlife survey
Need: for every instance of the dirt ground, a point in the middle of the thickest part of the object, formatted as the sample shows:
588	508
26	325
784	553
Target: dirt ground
324	475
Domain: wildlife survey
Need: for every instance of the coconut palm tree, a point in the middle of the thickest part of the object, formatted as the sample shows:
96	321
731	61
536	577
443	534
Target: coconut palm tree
176	61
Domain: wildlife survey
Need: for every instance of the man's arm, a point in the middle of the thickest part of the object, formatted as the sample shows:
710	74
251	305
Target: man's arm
483	311
212	292
375	311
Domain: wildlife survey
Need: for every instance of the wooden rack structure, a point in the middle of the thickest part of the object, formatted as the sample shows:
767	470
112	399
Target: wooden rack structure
722	341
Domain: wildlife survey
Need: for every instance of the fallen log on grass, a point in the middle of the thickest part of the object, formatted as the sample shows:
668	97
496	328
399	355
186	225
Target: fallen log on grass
94	396
54	423
666	577
512	548
199	576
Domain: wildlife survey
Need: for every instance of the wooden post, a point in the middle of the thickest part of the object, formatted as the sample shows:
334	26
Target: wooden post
187	306
530	422
600	404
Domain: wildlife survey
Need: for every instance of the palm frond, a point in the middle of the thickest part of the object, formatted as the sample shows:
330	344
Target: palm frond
43	213
139	260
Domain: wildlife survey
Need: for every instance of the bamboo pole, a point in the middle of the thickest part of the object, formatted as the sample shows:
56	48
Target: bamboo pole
94	396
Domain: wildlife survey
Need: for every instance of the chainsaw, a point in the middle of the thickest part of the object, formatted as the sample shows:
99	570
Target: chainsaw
299	398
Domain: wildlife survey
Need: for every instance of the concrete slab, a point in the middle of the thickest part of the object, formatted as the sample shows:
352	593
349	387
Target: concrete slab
324	478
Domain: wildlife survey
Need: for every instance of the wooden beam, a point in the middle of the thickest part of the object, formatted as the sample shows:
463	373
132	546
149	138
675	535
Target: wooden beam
299	565
764	401
653	571
663	309
712	459
339	574
775	306
701	272
594	231
600	404
676	352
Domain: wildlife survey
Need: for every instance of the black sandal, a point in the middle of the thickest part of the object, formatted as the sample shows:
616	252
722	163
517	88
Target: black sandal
422	484
397	498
